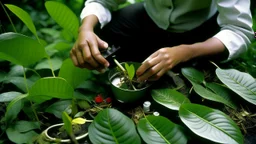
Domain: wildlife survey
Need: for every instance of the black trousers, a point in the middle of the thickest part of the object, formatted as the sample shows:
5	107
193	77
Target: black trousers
138	36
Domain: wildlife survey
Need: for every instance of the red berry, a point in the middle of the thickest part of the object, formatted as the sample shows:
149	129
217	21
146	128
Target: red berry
108	100
98	99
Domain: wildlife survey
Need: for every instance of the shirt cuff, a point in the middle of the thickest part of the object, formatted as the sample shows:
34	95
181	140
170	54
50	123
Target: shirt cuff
102	13
233	42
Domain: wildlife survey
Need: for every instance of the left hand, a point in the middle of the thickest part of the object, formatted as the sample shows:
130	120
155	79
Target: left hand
164	59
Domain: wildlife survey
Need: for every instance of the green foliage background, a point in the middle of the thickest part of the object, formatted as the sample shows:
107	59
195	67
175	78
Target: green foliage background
41	20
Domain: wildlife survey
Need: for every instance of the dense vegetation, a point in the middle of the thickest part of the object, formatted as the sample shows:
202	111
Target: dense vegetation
41	87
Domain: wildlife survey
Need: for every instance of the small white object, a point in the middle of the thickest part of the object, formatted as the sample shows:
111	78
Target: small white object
146	106
156	113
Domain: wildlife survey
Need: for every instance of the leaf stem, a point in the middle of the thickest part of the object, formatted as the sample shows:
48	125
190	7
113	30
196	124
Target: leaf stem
214	64
14	29
51	66
26	84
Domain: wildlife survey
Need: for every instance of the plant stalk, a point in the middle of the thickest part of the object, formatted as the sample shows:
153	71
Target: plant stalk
14	29
25	81
122	68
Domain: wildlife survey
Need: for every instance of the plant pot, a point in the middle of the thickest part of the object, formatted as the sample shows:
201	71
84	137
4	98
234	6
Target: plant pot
52	130
122	94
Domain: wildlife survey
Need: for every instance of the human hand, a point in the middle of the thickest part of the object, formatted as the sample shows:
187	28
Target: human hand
157	64
85	52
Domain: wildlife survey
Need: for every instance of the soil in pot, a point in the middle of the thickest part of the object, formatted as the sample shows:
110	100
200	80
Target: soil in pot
120	82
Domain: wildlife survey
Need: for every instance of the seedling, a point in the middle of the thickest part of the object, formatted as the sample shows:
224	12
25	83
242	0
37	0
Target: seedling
71	127
127	76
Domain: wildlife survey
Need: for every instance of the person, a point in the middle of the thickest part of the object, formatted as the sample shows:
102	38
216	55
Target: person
162	33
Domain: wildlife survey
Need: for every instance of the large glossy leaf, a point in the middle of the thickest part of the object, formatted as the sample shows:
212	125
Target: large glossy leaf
9	96
16	70
87	96
158	129
25	126
64	16
50	87
224	92
58	107
209	95
55	62
59	46
241	83
20	138
193	74
111	126
210	123
14	108
24	16
73	74
20	49
91	86
169	98
19	82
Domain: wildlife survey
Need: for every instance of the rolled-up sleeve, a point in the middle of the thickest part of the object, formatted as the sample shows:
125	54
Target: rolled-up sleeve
100	8
235	20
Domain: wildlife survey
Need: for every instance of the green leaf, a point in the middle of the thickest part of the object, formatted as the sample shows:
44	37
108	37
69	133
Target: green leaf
64	16
2	76
67	122
58	107
24	16
224	92
87	96
19	82
211	124
53	33
56	63
60	46
72	74
14	108
16	70
25	126
130	70
209	95
158	129
169	98
20	49
9	96
19	138
241	83
111	126
193	75
91	86
50	87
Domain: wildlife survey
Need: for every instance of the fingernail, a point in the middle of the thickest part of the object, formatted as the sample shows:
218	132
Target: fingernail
105	45
107	65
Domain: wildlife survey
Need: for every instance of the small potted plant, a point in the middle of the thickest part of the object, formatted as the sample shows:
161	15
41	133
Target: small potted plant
70	131
124	84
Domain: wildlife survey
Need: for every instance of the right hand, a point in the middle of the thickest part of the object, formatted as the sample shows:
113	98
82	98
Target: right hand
85	52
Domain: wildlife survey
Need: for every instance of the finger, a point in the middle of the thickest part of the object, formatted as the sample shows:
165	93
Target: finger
88	66
97	55
101	43
151	56
87	55
73	57
150	72
157	76
147	64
